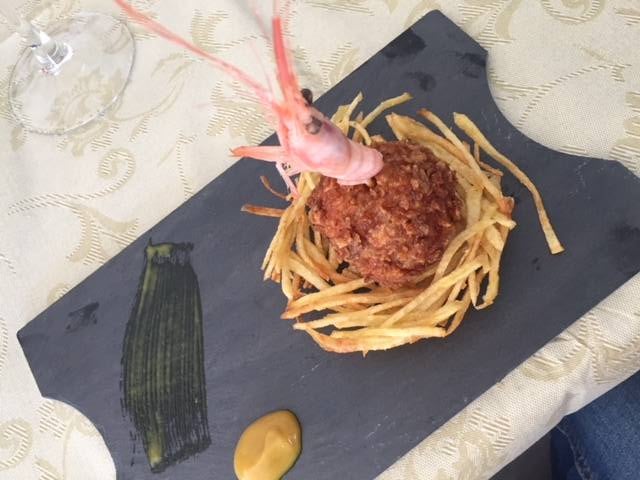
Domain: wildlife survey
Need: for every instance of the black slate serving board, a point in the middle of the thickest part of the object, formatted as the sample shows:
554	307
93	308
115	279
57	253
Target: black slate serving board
359	415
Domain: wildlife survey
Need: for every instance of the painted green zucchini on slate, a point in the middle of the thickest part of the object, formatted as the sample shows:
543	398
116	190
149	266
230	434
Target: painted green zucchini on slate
164	386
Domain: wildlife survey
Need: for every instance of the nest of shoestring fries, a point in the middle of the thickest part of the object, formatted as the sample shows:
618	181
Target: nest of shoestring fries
357	315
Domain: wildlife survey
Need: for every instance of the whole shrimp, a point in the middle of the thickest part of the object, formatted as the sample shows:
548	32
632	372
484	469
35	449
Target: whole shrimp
309	141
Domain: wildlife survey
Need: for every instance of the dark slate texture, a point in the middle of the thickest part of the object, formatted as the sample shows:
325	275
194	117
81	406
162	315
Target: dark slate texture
359	415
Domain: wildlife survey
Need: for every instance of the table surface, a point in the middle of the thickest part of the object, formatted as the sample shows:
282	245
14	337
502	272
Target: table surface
566	73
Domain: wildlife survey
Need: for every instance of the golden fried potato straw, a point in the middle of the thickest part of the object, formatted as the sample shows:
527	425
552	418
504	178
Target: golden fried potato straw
465	124
357	315
262	211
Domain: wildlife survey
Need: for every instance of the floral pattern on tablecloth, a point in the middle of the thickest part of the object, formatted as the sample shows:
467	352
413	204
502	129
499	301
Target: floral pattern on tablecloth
566	72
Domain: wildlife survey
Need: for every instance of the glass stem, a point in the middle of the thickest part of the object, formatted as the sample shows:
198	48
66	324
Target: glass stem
49	53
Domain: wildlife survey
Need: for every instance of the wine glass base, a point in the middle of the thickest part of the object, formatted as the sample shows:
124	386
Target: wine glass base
89	81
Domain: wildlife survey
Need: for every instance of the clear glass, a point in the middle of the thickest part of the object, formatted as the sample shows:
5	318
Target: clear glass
71	74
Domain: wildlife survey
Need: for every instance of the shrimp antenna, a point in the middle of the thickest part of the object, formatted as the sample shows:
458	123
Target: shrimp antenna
256	55
286	76
263	26
267	36
283	10
262	93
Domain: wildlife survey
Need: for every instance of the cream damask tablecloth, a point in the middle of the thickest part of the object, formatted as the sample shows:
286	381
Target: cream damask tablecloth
566	72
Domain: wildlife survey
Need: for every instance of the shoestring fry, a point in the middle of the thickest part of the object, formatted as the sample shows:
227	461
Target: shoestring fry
360	316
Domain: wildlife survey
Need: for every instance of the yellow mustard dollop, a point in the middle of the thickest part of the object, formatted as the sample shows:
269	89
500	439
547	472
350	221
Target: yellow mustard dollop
268	448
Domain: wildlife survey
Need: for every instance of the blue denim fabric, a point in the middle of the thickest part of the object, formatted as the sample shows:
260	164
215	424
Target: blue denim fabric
601	441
